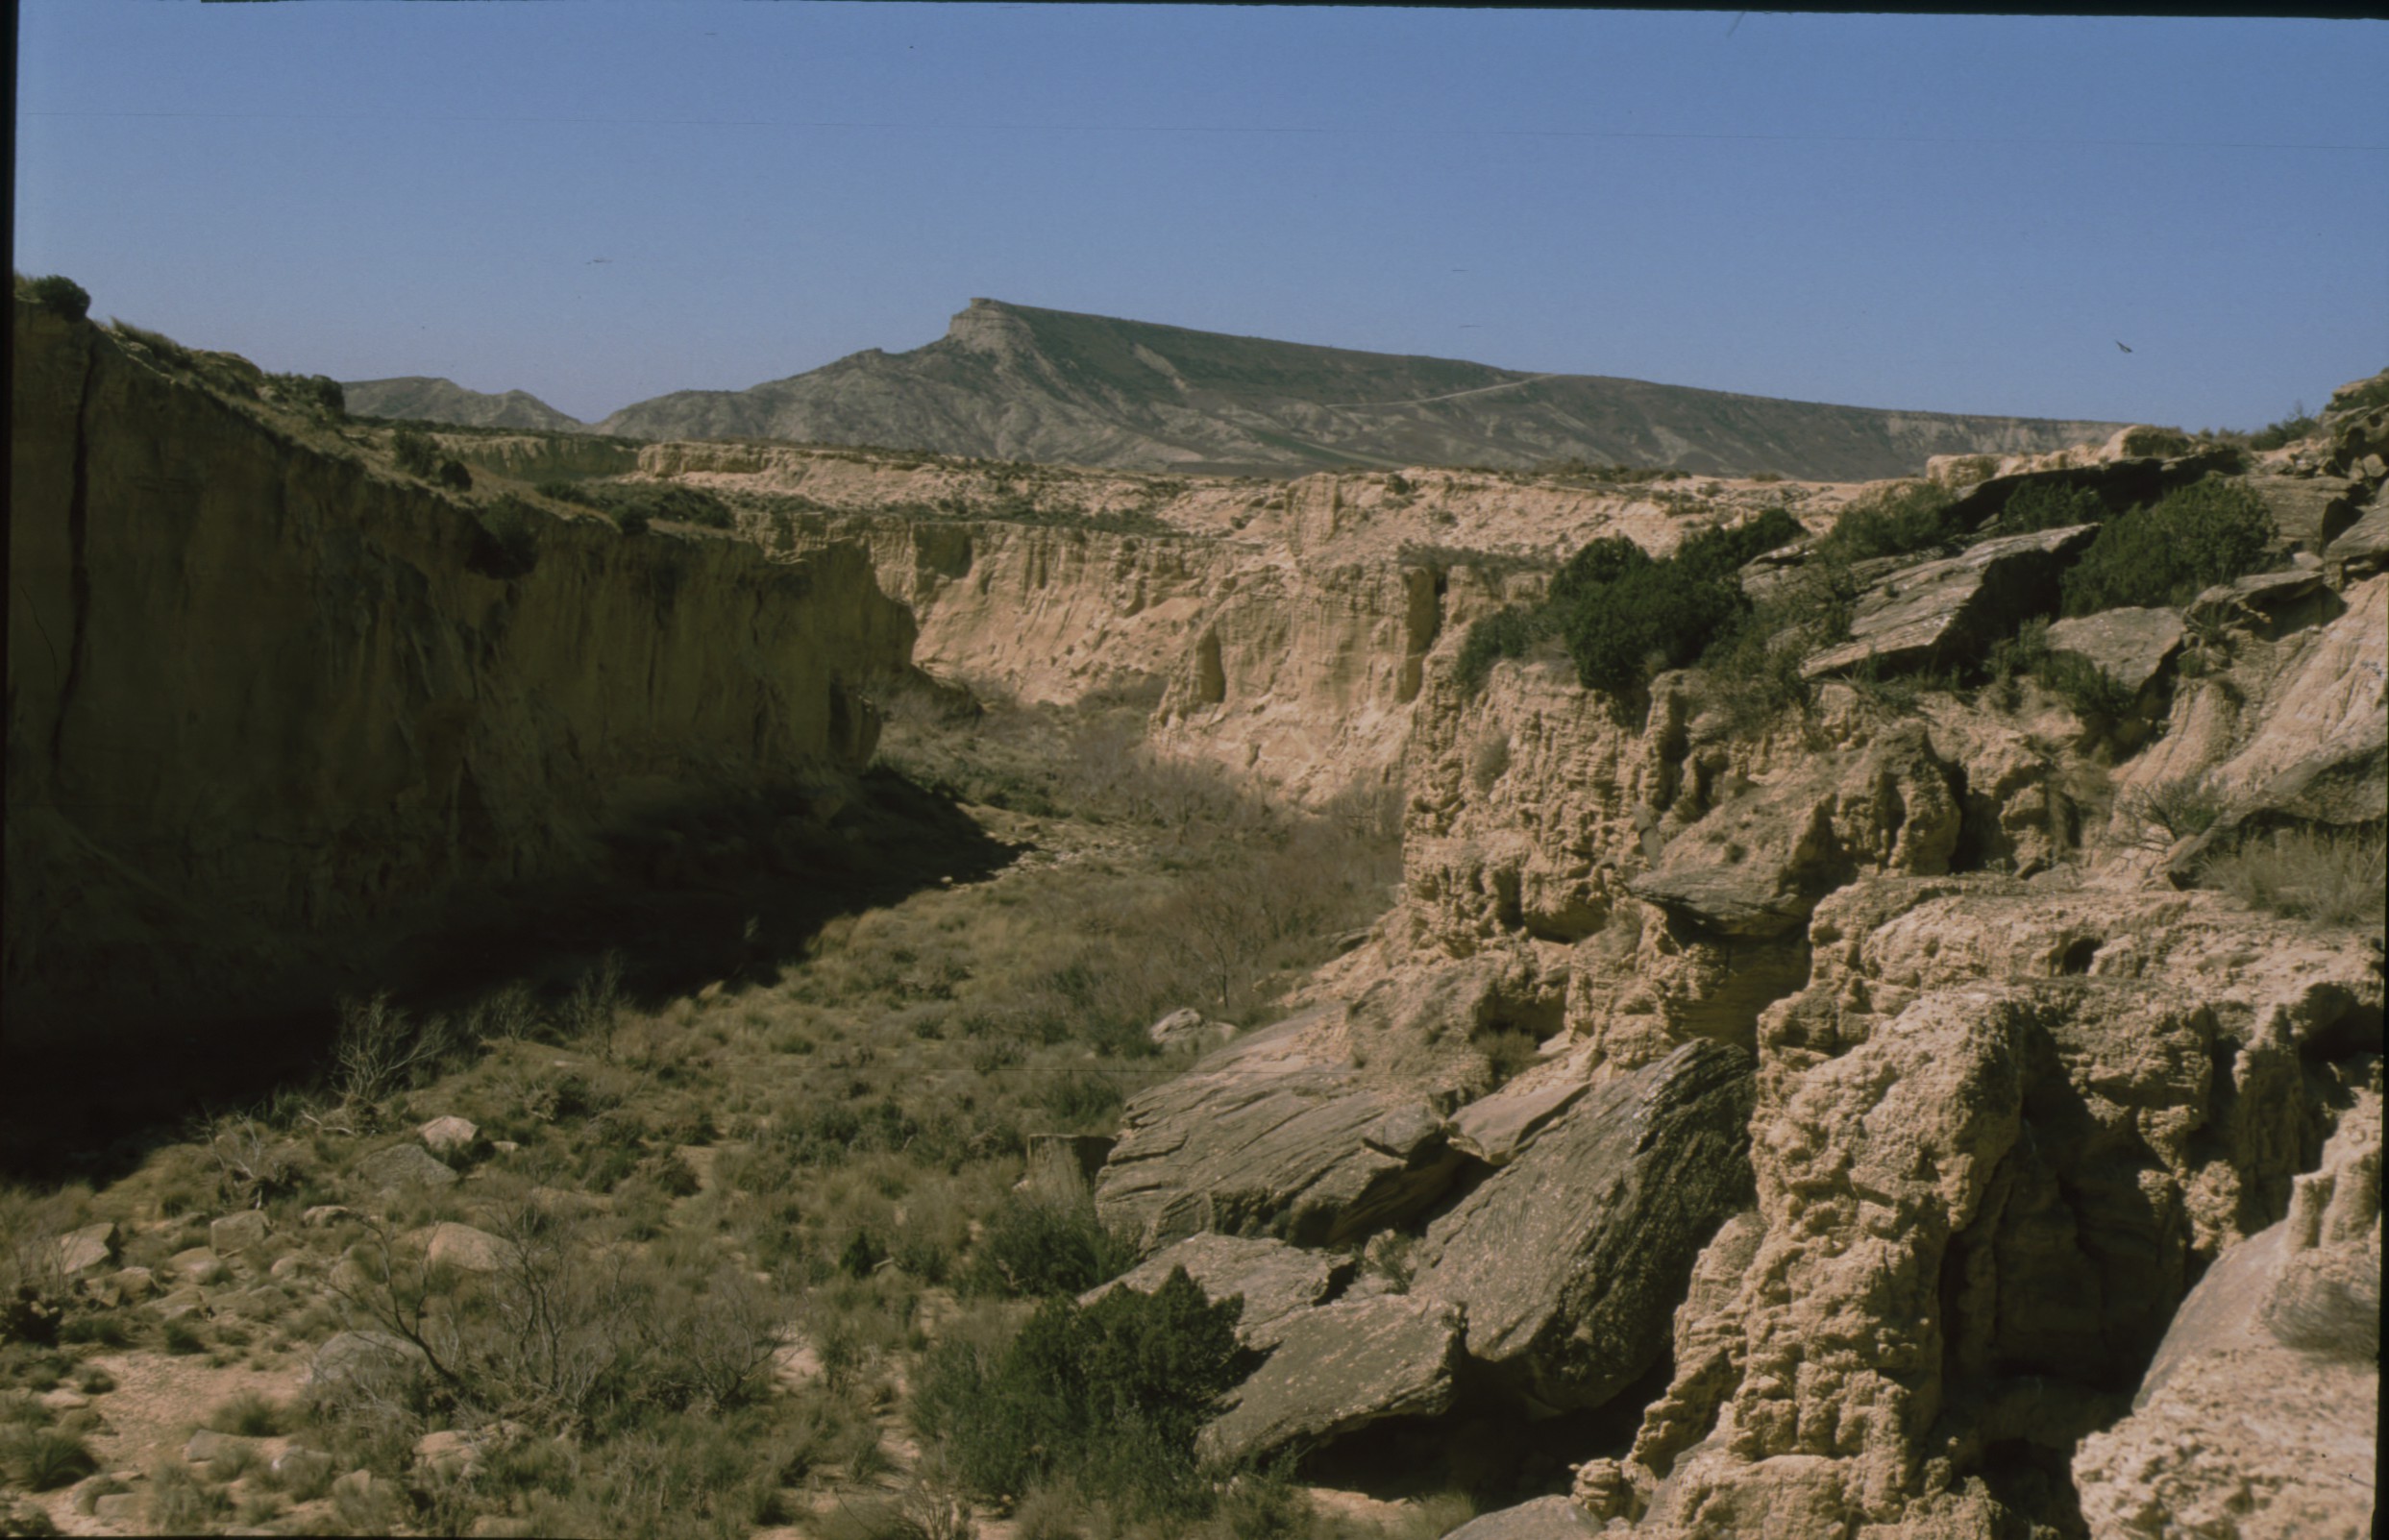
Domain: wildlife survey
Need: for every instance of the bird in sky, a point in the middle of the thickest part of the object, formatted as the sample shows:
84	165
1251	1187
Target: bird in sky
2120	345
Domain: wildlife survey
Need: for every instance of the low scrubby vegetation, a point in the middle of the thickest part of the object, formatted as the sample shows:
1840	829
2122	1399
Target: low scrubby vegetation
717	1240
1624	615
2165	552
2335	876
635	506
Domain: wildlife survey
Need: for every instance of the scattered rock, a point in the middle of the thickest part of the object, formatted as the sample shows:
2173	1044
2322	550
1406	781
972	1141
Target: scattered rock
237	1232
2268	604
294	1265
185	1300
1942	612
351	1355
446	1136
1186	1028
133	1285
2308	512
325	1214
260	1303
63	1399
1338	1369
1276	1281
206	1446
357	1486
1495	1128
1271	1130
1569	1261
1545	1518
300	1466
465	1248
2361	550
2129	647
403	1165
126	1509
196	1264
80	1251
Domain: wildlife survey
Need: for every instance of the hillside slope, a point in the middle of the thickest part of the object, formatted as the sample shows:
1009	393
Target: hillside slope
1013	381
443	401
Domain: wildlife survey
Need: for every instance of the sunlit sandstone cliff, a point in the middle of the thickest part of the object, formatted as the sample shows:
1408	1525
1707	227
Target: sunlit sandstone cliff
271	703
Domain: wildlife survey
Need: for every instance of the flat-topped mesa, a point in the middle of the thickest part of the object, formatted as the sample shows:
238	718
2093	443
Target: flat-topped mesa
274	708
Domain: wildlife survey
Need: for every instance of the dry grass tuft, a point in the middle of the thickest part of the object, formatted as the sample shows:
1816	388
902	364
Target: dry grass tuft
2336	877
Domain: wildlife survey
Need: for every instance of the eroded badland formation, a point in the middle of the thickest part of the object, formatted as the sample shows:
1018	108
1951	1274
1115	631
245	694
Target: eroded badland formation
1896	1054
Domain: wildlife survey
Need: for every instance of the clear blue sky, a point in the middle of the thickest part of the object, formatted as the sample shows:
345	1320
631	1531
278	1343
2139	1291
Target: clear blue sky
1944	213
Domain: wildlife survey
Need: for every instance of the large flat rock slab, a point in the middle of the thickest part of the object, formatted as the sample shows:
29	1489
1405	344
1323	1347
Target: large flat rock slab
1569	1261
1545	1518
1269	1133
1339	1369
1942	612
1276	1281
2130	646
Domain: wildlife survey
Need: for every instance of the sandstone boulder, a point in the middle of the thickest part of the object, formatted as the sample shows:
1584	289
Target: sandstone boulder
238	1232
367	1356
1338	1369
2361	550
1272	1132
447	1136
1185	1029
1942	612
1545	1518
1757	862
2130	646
401	1167
82	1251
466	1249
1568	1262
1495	1128
2309	511
1276	1281
2266	603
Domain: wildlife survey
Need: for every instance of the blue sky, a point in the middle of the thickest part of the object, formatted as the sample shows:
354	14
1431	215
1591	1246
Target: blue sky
1938	213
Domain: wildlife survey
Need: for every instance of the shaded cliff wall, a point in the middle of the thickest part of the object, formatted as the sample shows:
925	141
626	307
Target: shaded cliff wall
269	706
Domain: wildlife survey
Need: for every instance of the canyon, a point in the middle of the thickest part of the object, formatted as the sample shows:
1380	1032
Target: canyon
1868	1108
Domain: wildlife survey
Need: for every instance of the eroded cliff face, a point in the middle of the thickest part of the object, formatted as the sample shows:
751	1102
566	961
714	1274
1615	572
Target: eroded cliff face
1284	627
2017	1085
272	706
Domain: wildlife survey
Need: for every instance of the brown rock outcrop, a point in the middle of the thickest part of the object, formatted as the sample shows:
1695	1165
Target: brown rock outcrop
1338	1369
1568	1262
1947	611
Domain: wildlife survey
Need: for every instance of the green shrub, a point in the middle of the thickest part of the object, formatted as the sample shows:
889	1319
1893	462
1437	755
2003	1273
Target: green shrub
2049	505
1032	1247
1108	1396
60	295
249	1414
1079	1097
41	1458
1910	517
453	475
2206	533
1625	614
506	541
160	347
2299	423
319	393
416	454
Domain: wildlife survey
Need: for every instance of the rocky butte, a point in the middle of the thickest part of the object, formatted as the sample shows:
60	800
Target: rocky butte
1856	1077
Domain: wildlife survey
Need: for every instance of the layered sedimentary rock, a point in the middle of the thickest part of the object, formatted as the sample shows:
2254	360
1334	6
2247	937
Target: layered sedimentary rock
271	706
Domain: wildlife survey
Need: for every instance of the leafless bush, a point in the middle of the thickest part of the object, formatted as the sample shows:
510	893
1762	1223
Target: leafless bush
2164	815
252	1164
380	1049
596	1007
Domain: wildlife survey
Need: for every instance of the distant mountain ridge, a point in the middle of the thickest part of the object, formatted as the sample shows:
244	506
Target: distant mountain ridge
432	400
1013	381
